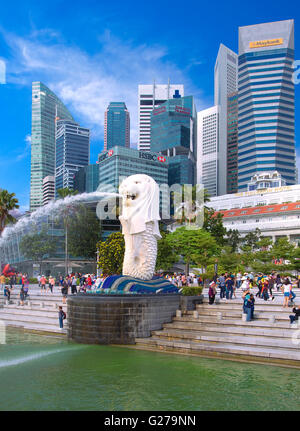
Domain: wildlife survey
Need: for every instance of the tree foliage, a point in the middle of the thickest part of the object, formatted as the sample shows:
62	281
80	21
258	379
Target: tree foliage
166	255
111	254
8	202
84	231
213	223
233	239
193	245
38	246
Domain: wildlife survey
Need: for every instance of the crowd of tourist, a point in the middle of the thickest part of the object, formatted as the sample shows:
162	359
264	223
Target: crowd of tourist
227	284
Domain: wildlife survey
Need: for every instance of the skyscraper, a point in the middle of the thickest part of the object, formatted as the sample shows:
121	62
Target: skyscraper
266	137
173	134
232	143
208	159
226	83
72	152
48	189
45	106
150	96
116	126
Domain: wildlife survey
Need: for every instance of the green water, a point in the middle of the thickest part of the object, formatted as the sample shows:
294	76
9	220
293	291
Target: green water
45	373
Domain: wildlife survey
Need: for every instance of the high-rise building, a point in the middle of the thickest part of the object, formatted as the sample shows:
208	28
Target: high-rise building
266	108
207	149
116	126
48	189
232	143
72	152
225	83
150	96
174	134
45	107
123	162
87	179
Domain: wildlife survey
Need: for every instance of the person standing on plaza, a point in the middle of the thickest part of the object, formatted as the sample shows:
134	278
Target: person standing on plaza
2	281
51	283
238	280
278	282
292	294
7	292
64	290
61	316
286	288
229	287
22	295
222	286
212	292
11	282
74	285
43	282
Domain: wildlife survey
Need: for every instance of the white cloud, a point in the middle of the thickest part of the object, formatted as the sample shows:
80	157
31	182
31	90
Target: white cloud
26	149
87	83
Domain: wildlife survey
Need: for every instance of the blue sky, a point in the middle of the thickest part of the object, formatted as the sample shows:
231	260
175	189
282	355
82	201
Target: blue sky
93	52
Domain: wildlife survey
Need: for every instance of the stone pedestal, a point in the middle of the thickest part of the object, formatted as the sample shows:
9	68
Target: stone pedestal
104	319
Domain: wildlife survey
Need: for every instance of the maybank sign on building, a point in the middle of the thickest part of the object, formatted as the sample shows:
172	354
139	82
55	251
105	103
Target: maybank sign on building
121	162
267	42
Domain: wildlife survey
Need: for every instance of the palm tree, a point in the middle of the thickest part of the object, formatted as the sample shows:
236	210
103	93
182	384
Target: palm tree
67	212
8	202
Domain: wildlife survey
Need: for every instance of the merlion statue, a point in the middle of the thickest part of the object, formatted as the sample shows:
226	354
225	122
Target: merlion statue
139	219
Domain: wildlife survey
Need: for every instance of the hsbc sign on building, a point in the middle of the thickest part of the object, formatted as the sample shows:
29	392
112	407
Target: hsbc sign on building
121	162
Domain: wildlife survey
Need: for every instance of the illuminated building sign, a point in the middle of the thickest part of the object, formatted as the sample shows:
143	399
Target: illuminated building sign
267	42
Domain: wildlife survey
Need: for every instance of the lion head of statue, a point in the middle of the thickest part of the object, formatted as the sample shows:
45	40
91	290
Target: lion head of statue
140	203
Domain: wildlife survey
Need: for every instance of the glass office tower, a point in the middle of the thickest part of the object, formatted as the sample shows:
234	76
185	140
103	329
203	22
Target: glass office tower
266	103
45	106
150	96
174	134
116	126
72	152
87	179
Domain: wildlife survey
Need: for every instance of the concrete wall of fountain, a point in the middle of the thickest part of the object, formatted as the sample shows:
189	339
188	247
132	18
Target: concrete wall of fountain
104	319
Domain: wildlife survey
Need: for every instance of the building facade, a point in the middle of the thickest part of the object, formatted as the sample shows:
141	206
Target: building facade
232	143
149	97
86	180
116	126
274	210
174	135
46	106
72	152
266	129
48	189
266	180
208	149
225	84
120	162
274	221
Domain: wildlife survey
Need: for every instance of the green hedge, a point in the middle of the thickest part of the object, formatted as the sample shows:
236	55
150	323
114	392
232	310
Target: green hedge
191	290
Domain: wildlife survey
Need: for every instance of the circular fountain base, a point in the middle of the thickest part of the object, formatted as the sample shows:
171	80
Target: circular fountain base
118	319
